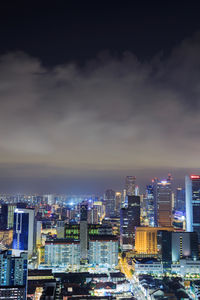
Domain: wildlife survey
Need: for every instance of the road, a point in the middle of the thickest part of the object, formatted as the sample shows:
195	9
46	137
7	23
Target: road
135	288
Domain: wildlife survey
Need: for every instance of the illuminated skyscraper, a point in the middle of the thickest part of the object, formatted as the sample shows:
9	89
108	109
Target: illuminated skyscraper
130	185
123	198
13	270
150	205
180	199
129	219
24	231
192	193
146	239
83	234
109	198
7	215
118	202
162	193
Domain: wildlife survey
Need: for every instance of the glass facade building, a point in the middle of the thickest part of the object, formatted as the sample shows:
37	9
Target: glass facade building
24	231
162	192
192	192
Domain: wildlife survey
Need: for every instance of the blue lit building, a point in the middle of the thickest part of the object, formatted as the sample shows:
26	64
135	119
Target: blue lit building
24	233
150	205
180	199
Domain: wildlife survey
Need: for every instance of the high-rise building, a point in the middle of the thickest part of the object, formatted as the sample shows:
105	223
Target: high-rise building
109	198
118	202
60	227
63	253
93	217
149	205
103	251
7	215
162	193
49	199
129	219
130	185
180	199
192	193
83	233
146	239
13	270
123	198
24	231
177	245
38	232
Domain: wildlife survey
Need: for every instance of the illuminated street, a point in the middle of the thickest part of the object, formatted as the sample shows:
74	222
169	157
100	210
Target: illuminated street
135	288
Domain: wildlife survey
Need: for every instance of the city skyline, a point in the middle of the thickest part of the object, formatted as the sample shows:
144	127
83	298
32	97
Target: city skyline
82	123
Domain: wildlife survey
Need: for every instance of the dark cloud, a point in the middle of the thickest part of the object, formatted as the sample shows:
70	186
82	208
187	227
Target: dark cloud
114	115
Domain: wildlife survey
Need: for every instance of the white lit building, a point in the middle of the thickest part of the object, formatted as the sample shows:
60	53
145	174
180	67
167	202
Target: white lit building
62	253
103	251
185	267
149	268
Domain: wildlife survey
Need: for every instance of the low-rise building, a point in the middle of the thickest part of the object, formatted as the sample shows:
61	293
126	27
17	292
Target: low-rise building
149	268
186	267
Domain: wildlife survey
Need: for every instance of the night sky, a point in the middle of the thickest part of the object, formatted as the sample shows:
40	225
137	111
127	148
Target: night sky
92	91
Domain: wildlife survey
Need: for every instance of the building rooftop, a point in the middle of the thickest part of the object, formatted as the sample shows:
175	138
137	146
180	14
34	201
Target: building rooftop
103	238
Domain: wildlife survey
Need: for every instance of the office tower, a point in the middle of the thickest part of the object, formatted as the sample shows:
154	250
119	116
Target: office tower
60	227
146	239
180	199
184	245
7	216
38	232
93	216
130	185
118	202
83	234
149	205
109	198
64	253
24	233
137	191
129	219
177	245
13	270
98	204
98	215
162	193
103	251
192	194
173	201
49	199
123	198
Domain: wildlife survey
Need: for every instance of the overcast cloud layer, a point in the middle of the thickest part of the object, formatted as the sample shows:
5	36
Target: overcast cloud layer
115	114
